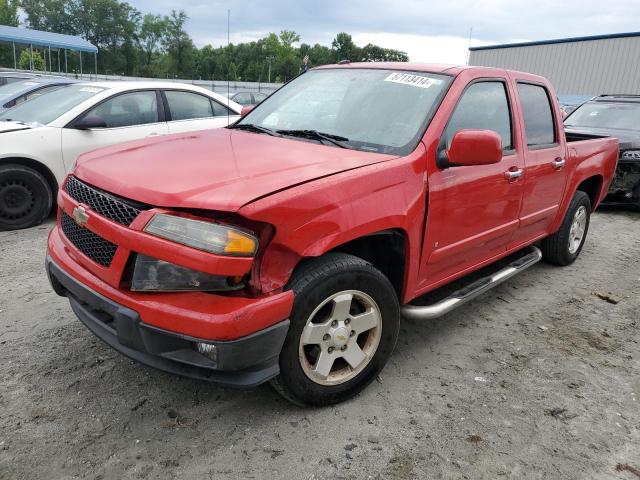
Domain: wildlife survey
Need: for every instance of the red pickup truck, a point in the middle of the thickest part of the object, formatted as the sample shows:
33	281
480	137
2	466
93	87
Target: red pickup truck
288	246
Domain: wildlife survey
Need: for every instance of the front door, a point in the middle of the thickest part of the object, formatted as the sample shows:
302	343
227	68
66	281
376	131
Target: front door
473	210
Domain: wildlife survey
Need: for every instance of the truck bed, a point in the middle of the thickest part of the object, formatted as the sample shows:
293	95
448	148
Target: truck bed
579	137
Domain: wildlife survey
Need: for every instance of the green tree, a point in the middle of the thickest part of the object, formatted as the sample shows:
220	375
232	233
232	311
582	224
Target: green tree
179	46
24	62
158	45
344	48
9	12
8	16
152	32
373	53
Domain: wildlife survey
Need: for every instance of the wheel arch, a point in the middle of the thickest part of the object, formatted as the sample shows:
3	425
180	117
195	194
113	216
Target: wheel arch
386	250
592	186
39	167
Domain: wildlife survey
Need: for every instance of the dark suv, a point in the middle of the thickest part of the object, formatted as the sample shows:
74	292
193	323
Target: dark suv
615	116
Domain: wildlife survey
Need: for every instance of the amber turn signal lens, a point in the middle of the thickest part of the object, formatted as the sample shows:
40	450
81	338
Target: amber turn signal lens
240	244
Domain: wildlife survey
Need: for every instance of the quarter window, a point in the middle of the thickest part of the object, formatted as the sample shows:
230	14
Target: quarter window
186	105
129	109
484	105
536	111
220	110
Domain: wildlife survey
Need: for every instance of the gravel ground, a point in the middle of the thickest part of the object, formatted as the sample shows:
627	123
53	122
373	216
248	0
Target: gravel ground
538	379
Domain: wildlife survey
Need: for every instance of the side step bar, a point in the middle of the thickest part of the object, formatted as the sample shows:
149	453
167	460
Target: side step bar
466	294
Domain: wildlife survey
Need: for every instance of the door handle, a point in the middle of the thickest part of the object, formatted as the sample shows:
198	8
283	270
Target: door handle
153	135
558	163
512	175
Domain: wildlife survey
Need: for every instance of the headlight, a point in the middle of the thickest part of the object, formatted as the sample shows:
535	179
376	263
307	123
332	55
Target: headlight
153	275
207	236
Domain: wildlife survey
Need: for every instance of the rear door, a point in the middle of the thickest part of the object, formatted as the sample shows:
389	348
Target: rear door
189	111
128	116
545	163
473	210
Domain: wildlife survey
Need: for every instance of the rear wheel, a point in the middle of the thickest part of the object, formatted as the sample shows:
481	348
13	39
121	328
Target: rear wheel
25	197
564	246
344	326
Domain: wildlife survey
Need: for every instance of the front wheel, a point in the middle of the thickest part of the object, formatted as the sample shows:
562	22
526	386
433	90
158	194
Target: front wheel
564	246
25	197
344	326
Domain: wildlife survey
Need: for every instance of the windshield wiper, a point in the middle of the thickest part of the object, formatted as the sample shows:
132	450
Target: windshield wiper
314	134
255	128
12	120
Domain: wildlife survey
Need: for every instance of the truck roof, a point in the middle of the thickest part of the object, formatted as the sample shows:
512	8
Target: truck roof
426	67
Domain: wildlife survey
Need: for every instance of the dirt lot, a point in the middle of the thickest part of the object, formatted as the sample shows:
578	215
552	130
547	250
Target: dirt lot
538	379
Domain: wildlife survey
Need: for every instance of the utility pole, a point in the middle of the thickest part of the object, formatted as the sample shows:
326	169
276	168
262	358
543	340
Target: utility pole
269	60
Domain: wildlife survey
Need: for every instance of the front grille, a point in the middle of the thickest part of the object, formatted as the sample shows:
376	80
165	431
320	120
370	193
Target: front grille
109	206
93	246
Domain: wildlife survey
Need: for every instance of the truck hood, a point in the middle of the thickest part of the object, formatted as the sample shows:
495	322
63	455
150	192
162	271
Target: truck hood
219	169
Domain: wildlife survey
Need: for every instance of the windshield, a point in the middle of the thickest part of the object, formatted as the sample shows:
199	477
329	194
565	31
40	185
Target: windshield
11	89
46	108
381	111
623	116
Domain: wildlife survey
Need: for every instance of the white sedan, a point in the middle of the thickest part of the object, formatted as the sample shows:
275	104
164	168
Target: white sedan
41	138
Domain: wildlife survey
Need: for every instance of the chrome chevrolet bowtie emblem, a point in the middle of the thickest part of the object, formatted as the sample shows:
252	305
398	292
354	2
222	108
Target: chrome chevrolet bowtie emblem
80	215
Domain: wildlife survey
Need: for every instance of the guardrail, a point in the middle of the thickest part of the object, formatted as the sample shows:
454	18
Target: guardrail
218	86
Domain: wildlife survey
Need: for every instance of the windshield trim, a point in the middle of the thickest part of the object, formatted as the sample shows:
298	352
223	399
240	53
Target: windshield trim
361	146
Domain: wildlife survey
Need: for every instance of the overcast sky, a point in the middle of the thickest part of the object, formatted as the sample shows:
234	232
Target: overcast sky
429	31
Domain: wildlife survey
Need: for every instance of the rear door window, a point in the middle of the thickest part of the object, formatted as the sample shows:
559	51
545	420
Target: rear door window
538	116
187	105
484	105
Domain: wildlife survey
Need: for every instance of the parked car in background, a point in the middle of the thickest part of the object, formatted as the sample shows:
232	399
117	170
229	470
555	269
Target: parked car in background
15	93
41	138
617	116
248	98
285	247
11	77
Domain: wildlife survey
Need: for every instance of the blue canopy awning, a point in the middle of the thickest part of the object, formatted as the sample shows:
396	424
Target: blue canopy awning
44	39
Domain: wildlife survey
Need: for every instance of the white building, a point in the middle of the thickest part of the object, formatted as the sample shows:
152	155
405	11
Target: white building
576	66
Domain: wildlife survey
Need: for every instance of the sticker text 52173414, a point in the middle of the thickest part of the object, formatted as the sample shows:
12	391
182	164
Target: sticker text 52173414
411	79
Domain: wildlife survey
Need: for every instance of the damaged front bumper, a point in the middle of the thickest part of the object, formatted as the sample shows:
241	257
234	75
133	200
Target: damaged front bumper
625	187
245	362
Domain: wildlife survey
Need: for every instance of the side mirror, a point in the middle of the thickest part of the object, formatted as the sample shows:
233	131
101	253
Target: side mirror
89	122
475	147
245	110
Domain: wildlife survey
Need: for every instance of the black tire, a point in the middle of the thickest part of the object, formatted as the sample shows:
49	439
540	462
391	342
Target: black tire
25	197
313	282
556	248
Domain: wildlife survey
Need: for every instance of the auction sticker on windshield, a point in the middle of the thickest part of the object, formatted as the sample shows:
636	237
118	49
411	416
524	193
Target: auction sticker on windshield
411	79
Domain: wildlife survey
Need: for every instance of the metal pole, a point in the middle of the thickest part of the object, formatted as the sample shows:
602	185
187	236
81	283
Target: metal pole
95	59
15	61
80	63
50	65
30	57
66	70
269	60
58	60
